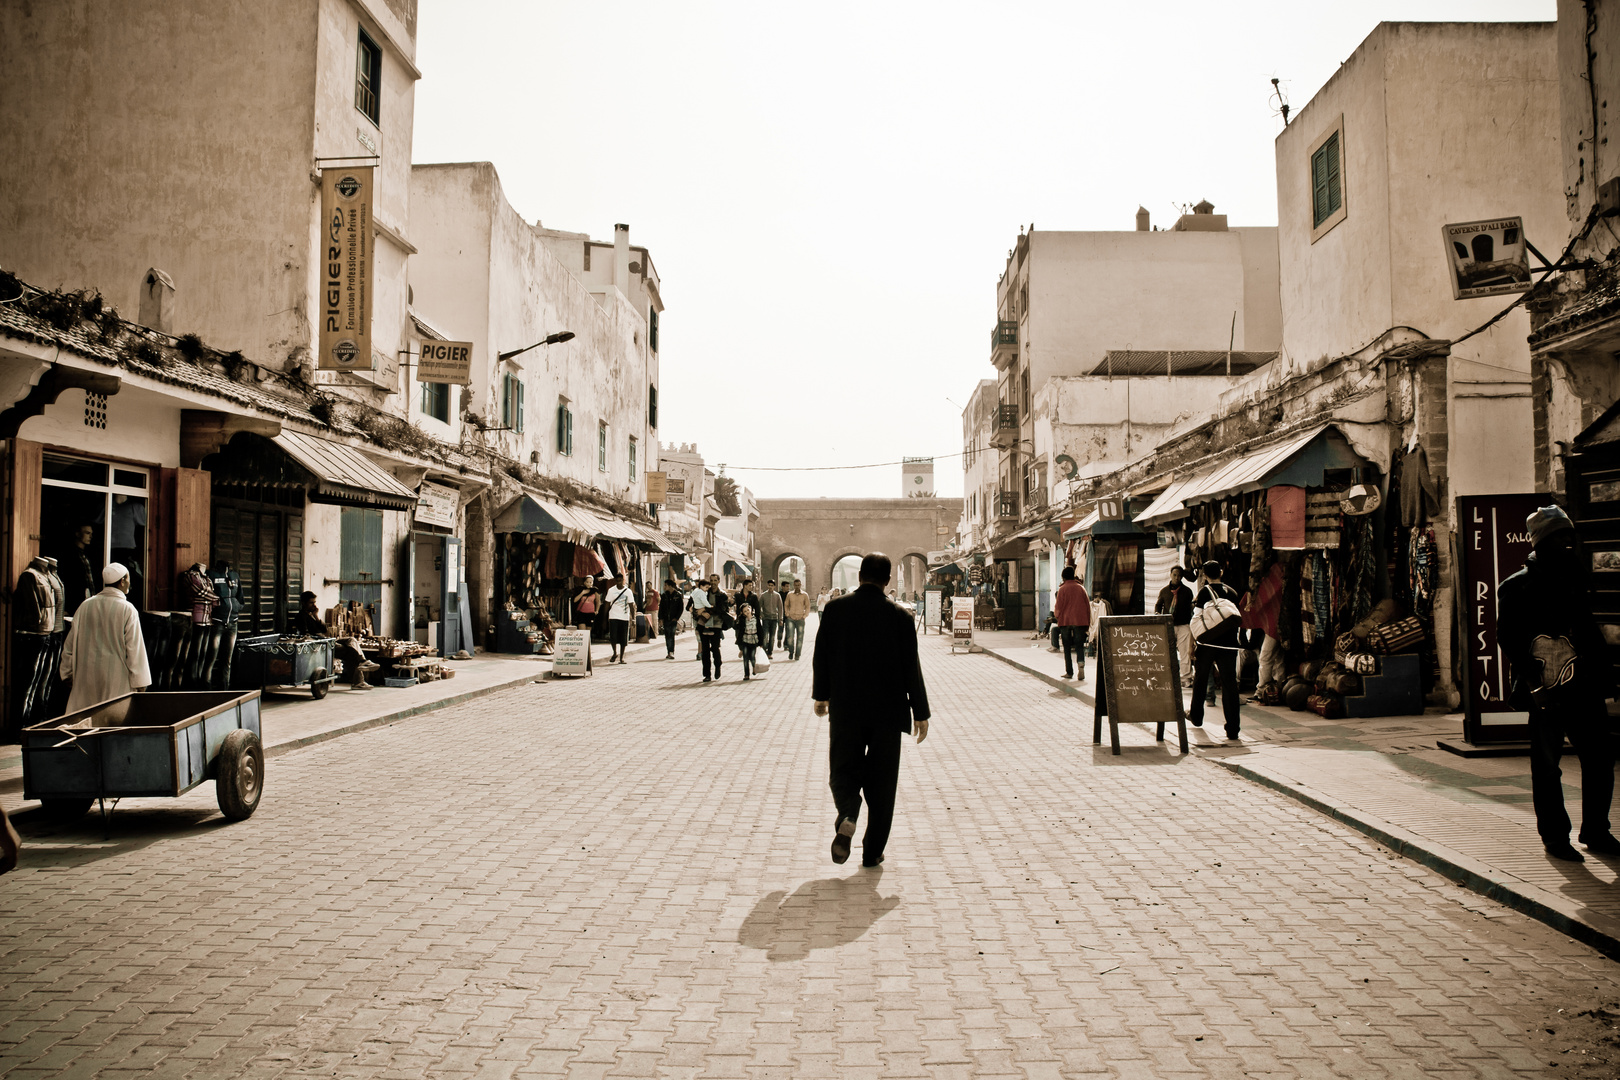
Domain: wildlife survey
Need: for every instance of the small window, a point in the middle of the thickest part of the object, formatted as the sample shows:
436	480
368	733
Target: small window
632	459
1327	180
368	79
436	400
652	407
512	402
1026	391
601	446
565	428
652	329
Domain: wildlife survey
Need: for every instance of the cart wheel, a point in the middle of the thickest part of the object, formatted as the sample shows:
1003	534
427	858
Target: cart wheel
318	686
66	809
239	774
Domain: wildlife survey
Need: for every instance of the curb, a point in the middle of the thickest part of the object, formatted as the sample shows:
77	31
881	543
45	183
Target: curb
1452	865
277	749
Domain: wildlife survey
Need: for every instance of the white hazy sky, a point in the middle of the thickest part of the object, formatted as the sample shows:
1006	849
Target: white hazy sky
829	190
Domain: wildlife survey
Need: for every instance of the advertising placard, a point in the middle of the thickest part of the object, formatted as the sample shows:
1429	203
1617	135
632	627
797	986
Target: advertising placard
571	653
346	270
961	622
436	504
657	487
1487	258
933	609
1492	544
675	493
445	362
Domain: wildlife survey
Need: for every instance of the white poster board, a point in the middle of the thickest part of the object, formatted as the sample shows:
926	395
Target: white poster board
961	623
571	653
933	609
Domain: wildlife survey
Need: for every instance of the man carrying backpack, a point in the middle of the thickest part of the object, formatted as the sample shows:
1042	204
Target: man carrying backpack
1216	622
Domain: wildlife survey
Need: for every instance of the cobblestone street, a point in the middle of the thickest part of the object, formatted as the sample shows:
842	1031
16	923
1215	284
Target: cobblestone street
628	876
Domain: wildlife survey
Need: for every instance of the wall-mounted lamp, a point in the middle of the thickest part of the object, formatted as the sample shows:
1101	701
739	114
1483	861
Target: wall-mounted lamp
550	339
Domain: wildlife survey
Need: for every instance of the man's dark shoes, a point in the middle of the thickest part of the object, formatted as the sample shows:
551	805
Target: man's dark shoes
1602	845
840	844
1565	851
1232	734
1196	721
870	861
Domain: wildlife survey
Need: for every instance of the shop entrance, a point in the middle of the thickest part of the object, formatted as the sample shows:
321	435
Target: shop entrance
92	513
264	544
360	562
435	561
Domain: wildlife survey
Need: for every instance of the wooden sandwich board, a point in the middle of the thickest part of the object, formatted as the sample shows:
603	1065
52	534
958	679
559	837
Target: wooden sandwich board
1138	676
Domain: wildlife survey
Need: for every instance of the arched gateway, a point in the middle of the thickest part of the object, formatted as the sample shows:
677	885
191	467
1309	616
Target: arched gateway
822	531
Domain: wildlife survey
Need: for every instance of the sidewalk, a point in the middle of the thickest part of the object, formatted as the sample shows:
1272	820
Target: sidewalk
1471	819
295	719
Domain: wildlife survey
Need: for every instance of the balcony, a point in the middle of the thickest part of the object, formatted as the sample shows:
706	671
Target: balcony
1003	342
1007	505
1004	426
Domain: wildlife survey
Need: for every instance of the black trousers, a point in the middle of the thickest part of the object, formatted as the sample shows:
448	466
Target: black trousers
670	628
1587	727
1074	648
1224	661
618	633
865	759
709	646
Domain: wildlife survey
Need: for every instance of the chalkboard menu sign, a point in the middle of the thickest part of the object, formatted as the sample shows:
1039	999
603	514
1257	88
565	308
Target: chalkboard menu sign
1138	675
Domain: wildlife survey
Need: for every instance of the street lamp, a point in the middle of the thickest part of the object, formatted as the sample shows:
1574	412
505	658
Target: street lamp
550	339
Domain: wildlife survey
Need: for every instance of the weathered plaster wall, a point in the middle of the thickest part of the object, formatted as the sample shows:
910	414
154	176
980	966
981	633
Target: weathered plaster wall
144	133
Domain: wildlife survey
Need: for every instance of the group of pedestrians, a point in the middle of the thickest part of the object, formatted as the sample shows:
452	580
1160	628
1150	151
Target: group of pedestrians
758	621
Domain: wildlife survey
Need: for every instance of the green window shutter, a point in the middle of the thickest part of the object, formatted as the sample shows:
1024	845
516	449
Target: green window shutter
506	401
569	415
517	409
562	445
1327	193
652	328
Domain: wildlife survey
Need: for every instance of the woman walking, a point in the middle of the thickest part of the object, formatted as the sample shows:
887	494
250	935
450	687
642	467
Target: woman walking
585	603
747	637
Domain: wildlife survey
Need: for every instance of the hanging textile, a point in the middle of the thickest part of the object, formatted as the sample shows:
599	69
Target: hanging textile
1156	565
1286	504
1266	602
587	562
1420	495
1321	594
1259	545
1423	559
1128	558
1363	567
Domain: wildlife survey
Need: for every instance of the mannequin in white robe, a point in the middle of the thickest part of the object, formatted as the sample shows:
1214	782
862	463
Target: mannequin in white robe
104	654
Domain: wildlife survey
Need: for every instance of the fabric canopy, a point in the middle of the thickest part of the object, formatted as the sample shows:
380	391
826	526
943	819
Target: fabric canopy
345	476
1168	506
735	566
948	568
1300	461
533	514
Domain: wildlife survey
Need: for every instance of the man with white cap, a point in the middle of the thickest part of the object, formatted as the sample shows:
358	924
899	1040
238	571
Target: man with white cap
104	654
1562	673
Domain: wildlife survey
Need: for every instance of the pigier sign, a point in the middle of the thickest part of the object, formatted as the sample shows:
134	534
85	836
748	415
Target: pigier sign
346	270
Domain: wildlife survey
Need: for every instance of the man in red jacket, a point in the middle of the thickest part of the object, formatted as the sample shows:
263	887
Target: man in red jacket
1073	611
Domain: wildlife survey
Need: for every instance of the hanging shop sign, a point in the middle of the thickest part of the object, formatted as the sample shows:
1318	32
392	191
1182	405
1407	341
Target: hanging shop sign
1111	510
436	505
445	362
657	487
1493	544
346	270
1487	258
975	575
675	493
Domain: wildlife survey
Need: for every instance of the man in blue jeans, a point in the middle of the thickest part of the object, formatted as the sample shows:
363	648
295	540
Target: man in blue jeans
1072	610
770	617
795	609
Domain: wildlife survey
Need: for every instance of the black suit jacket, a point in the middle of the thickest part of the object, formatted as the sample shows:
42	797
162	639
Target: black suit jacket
865	662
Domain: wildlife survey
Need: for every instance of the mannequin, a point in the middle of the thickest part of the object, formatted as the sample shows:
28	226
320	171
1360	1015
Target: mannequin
59	592
196	593
227	585
33	615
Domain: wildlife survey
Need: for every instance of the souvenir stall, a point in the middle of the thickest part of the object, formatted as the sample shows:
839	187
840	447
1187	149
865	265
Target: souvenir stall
1107	554
1299	532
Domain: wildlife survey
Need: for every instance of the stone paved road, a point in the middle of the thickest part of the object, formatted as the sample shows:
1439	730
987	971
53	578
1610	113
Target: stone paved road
628	876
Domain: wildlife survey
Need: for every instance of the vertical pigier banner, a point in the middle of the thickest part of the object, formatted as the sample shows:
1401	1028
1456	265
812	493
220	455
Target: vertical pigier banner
346	270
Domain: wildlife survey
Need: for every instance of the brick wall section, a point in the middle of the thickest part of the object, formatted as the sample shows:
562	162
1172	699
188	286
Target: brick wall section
1434	431
480	566
1540	392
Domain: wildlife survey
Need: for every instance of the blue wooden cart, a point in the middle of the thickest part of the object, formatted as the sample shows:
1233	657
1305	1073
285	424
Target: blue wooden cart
148	745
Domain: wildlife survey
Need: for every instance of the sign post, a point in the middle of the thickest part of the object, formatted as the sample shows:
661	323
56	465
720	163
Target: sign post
571	653
1492	544
933	609
436	504
962	623
1138	676
657	487
346	270
674	493
445	362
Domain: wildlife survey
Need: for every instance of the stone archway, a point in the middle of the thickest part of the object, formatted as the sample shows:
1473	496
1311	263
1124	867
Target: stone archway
911	573
832	563
820	531
773	567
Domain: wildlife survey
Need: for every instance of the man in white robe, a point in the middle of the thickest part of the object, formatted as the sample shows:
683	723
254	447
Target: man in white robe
104	654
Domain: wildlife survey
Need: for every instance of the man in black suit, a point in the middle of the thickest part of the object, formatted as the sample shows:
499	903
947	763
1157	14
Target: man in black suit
867	675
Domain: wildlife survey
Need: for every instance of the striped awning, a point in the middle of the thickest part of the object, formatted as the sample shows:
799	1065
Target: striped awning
345	476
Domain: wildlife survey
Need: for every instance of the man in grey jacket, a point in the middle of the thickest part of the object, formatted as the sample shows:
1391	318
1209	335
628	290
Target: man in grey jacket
770	616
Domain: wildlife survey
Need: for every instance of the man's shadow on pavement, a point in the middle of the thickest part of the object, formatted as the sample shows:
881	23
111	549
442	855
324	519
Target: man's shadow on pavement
822	914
